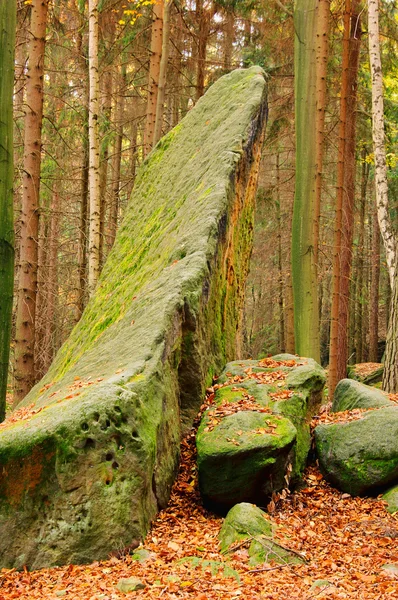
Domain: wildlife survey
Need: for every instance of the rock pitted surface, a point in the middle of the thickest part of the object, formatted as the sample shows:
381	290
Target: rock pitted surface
95	456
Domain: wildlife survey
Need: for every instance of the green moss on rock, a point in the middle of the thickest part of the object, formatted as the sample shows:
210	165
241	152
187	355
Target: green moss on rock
360	456
246	522
244	457
350	394
99	459
391	497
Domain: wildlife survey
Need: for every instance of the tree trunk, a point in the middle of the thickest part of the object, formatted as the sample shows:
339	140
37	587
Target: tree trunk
154	72
322	51
336	276
27	288
390	376
360	261
104	160
229	35
386	228
349	191
203	17
162	72
117	155
94	151
374	290
7	45
306	317
280	270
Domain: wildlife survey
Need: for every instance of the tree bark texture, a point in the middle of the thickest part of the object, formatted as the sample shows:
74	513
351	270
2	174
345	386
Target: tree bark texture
374	290
7	44
333	375
305	285
154	72
322	51
24	372
349	191
386	229
162	72
94	150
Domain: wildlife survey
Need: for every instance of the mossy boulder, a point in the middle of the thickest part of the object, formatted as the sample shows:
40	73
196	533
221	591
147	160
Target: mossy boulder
360	456
88	471
246	522
391	497
244	457
368	373
290	388
350	394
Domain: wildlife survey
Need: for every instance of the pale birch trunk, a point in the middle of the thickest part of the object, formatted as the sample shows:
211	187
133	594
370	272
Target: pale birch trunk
386	229
93	126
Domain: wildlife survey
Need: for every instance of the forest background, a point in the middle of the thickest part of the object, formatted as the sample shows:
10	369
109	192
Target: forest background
96	85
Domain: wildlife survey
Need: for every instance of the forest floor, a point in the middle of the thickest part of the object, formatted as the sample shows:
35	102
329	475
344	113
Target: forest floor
345	541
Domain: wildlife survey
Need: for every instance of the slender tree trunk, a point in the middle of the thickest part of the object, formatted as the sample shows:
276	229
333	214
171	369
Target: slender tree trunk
203	17
305	285
27	288
280	270
154	72
360	261
7	46
290	345
349	191
390	376
322	51
162	72
374	290
229	36
340	192
104	160
386	228
116	162
94	151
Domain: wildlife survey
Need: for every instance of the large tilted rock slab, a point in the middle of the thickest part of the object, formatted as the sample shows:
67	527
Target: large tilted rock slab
255	438
86	474
360	456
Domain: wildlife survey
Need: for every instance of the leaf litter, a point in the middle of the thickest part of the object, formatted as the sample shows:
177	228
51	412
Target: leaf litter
345	541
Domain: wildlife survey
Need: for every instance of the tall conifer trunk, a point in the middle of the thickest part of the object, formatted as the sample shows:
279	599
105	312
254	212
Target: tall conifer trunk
337	245
153	76
306	316
7	45
24	372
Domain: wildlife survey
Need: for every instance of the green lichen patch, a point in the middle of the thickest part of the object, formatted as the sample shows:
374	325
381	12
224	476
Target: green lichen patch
163	319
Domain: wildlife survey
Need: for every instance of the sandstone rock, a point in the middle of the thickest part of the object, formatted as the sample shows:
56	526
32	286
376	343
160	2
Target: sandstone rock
360	456
88	471
248	522
350	394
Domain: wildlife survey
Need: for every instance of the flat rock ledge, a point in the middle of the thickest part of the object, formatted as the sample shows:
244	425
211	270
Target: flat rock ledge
255	438
95	451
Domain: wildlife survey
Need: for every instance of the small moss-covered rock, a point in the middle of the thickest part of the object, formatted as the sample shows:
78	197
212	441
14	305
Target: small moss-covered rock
290	386
248	522
391	497
368	373
360	456
242	457
86	474
350	394
130	584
